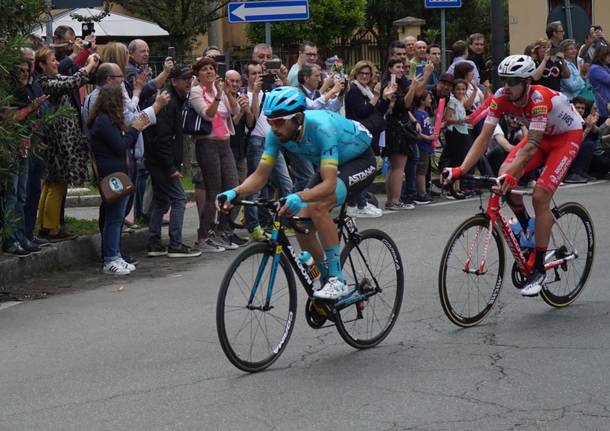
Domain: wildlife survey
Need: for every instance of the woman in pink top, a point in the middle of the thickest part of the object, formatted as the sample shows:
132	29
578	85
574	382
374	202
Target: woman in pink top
213	103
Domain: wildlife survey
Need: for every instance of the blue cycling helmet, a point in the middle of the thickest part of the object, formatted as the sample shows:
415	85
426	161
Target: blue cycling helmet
283	101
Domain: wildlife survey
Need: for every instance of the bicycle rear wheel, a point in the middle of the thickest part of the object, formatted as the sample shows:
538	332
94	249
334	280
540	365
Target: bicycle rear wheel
254	337
571	234
369	264
467	296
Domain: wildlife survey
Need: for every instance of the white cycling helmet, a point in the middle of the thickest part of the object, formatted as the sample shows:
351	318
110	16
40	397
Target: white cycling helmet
517	66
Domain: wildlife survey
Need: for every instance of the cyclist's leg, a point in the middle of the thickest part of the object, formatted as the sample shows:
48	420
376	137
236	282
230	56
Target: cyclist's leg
562	151
516	201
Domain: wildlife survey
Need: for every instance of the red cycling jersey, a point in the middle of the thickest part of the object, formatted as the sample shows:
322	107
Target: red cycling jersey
550	112
547	111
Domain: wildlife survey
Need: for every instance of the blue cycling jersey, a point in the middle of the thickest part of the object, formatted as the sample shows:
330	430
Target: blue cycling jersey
327	139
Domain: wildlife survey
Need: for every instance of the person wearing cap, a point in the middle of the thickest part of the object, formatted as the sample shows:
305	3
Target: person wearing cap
163	144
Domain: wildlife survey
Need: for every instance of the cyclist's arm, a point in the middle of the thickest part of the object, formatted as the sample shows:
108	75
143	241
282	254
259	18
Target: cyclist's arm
526	153
478	148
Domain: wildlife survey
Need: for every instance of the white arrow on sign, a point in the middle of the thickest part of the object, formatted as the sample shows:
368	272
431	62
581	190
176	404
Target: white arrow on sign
242	11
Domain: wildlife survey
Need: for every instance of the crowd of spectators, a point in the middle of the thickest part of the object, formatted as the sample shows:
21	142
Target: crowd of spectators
132	122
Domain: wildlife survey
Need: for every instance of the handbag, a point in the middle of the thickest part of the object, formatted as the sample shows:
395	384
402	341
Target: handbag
375	123
192	123
115	186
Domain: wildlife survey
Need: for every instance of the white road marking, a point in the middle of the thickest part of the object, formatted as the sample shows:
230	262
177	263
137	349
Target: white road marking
4	305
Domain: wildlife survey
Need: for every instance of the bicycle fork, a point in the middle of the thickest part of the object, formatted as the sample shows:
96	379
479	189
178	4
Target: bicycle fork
277	248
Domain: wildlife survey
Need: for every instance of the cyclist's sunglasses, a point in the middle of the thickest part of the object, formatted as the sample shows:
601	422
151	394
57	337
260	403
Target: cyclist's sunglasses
279	122
511	81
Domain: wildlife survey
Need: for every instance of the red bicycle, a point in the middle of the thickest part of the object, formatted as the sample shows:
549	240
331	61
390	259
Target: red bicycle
471	272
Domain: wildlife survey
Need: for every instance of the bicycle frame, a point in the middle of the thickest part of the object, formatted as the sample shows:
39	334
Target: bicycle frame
497	218
280	244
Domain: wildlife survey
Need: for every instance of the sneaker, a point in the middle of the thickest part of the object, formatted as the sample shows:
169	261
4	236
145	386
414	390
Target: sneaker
115	267
235	239
258	234
31	247
129	266
333	289
422	199
16	250
155	249
130	259
373	208
41	242
224	241
368	212
575	179
400	206
352	211
534	282
182	251
209	246
289	232
58	237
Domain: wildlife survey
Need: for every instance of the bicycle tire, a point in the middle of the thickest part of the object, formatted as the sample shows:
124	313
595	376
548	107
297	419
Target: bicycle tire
460	245
231	308
357	329
573	219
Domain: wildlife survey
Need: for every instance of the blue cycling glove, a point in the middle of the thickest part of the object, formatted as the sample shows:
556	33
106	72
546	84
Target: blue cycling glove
295	203
230	195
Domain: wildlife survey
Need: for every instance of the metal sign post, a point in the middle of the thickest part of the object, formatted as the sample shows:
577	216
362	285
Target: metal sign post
442	5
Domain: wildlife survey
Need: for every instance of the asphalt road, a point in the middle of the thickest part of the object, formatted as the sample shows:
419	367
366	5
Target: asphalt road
141	352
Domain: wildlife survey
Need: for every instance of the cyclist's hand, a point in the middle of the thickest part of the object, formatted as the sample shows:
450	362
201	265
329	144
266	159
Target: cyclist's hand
292	204
224	200
508	182
449	175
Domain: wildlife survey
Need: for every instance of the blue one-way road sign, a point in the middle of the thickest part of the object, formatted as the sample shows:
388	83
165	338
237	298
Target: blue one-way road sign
432	4
265	11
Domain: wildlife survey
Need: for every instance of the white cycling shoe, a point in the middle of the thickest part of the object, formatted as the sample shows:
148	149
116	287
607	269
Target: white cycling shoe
333	289
533	284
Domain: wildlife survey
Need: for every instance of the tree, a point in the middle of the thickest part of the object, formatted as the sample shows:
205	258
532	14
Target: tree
17	19
472	17
182	19
329	20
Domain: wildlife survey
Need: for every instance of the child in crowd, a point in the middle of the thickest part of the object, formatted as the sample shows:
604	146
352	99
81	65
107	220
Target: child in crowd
457	138
423	104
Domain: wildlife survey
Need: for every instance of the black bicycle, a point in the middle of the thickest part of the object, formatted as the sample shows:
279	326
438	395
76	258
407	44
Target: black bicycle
257	301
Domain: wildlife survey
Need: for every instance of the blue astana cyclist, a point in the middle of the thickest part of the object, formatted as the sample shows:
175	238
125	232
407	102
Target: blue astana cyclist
340	149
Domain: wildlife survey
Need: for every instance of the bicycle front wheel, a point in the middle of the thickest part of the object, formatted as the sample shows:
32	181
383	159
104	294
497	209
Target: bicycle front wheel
572	235
374	267
471	272
254	335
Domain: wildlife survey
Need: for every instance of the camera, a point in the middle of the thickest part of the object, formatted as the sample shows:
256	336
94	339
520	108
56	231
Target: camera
268	81
222	69
273	64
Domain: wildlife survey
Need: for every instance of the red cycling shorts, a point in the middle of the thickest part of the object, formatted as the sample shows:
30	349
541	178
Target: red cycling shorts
559	151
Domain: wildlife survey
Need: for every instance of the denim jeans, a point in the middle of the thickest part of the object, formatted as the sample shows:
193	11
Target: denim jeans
140	183
167	192
30	211
279	177
114	215
14	202
302	170
409	188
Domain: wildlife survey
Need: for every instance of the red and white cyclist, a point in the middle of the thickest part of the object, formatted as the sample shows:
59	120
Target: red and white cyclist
554	138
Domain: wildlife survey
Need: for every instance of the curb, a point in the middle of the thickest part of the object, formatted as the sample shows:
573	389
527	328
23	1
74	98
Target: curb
80	251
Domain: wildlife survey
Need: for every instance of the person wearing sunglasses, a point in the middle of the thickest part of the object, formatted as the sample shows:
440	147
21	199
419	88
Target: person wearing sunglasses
341	151
553	141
